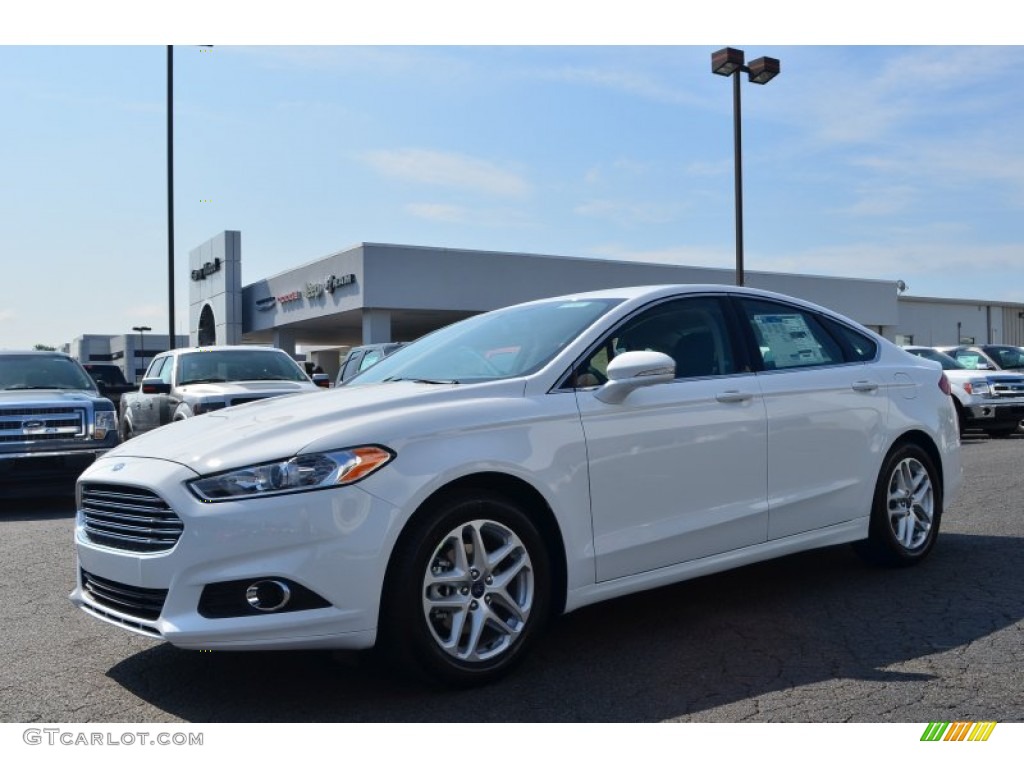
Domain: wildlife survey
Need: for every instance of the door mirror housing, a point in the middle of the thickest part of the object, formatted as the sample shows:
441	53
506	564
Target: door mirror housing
632	370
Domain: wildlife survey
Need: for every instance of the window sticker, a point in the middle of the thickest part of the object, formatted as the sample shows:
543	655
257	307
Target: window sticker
790	341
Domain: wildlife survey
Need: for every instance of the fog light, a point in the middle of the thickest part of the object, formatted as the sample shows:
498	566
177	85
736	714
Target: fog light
268	595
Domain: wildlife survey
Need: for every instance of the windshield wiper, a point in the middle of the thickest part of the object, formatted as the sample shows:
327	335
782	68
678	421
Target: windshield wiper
41	386
203	381
419	381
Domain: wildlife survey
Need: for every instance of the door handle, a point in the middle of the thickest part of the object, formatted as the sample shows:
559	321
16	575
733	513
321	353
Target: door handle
864	386
733	396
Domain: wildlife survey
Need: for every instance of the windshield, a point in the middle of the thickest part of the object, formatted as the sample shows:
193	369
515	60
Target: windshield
947	362
1006	356
215	365
498	345
42	372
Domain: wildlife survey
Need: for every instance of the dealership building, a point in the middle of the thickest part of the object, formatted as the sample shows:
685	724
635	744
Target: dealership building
373	292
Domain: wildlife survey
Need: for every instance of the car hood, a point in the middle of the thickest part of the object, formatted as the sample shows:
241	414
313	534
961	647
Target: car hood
961	376
323	420
246	388
40	396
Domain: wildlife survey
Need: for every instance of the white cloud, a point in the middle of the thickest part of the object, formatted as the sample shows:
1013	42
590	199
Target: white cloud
7	314
447	169
882	201
437	211
628	213
635	83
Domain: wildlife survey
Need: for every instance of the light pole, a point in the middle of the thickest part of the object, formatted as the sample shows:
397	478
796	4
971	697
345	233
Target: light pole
170	197
729	62
142	330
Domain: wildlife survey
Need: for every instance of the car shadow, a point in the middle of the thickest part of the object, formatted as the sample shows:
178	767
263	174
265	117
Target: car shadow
38	507
668	653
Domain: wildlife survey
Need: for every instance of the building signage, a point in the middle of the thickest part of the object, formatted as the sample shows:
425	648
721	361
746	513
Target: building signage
332	283
206	270
289	297
266	303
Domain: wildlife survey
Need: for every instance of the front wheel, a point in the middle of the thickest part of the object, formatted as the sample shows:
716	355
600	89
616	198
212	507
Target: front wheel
470	591
906	511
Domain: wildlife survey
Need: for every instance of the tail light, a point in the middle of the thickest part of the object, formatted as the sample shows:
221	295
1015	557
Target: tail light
944	385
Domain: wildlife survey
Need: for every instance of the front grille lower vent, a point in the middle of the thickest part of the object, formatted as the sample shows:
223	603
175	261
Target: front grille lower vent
129	518
138	602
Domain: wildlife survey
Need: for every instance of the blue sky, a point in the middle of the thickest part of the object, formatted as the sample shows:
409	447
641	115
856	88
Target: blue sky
867	161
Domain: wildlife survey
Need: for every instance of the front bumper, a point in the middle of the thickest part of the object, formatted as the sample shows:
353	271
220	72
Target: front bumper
333	543
42	473
993	414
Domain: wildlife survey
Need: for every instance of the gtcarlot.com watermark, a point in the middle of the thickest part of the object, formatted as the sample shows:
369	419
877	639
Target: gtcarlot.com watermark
69	738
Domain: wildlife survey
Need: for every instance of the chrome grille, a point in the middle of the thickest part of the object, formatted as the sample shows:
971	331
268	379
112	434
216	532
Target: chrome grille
139	602
21	424
1007	387
125	517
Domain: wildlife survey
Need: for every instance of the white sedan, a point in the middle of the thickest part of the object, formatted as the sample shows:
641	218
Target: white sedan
515	466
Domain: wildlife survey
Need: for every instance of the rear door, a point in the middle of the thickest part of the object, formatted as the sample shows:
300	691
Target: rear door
826	408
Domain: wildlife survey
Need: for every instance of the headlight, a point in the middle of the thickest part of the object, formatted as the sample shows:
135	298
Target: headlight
104	422
977	387
301	473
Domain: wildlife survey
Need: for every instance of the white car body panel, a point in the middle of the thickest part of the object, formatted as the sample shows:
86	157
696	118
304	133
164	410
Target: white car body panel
671	483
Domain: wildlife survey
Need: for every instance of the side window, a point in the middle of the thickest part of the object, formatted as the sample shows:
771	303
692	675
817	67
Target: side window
351	366
692	331
370	358
165	373
153	372
789	337
859	348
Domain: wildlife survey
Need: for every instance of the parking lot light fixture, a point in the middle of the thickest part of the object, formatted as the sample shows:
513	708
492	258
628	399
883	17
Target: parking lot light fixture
729	62
141	330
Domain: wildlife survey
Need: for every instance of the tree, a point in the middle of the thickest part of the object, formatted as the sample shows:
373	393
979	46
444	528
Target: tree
44	348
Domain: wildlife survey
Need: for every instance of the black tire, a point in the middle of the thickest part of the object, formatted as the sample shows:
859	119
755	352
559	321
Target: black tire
436	597
906	509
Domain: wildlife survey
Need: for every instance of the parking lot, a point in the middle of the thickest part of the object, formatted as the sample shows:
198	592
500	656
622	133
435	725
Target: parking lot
817	637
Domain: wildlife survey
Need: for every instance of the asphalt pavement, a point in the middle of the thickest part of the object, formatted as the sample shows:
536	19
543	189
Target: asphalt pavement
816	637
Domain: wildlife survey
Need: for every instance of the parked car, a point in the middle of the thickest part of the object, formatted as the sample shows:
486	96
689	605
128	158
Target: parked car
992	357
53	422
109	380
183	383
359	359
516	465
990	401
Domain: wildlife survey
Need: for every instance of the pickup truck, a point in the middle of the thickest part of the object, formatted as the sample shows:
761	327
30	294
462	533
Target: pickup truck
110	381
53	423
183	383
986	399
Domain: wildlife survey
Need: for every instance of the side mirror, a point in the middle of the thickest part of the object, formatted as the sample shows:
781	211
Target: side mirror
632	370
155	387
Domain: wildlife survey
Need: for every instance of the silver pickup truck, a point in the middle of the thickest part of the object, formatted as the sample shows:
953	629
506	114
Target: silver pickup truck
183	383
53	423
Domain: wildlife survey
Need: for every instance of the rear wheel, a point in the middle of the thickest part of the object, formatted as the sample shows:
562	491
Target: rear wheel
906	511
469	592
